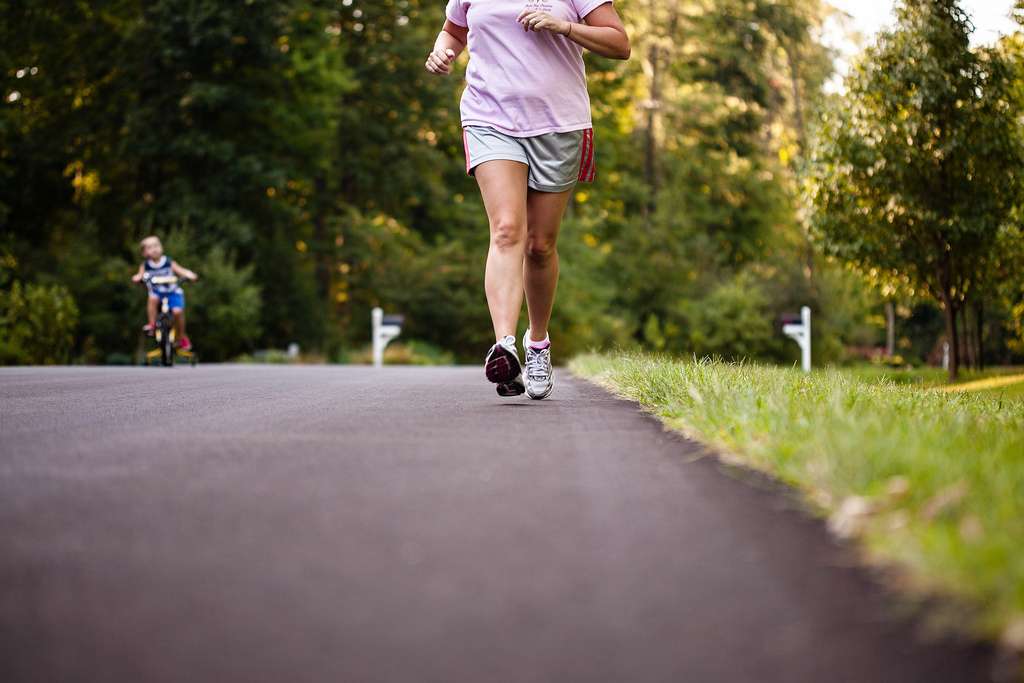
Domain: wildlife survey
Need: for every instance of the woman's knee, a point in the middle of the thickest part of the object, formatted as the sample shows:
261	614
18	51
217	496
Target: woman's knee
508	232
541	249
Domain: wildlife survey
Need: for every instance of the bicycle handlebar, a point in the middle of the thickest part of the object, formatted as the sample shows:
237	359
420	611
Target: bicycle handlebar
162	280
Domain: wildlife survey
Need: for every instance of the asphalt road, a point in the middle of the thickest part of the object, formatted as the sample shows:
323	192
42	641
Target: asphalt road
291	524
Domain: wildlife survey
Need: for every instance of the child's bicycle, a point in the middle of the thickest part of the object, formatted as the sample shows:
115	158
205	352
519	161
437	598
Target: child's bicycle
166	350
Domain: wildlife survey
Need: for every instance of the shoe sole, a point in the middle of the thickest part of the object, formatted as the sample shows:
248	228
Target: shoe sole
511	389
541	397
502	367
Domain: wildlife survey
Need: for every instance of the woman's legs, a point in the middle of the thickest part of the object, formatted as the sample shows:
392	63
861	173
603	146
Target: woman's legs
503	187
540	269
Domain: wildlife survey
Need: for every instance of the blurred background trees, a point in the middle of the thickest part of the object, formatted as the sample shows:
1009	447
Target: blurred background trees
917	169
295	153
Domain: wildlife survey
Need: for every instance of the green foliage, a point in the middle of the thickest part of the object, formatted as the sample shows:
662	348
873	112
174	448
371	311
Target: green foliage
929	482
224	305
407	352
917	168
921	377
734	321
139	119
37	324
1006	273
316	171
266	356
701	192
588	313
436	285
111	307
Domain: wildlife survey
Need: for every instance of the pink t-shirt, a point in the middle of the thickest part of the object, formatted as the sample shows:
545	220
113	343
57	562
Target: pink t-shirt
523	84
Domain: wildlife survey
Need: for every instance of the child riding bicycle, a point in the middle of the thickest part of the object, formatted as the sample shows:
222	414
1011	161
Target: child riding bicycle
157	266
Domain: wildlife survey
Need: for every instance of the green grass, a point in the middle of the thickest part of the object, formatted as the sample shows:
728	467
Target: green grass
1014	392
930	483
924	377
401	352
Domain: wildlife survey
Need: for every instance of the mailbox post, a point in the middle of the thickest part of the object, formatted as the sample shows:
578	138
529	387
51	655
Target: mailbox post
385	328
799	330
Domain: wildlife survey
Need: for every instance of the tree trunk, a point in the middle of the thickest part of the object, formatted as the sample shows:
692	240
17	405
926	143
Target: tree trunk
323	250
961	329
650	160
793	57
890	329
979	340
951	335
800	125
966	338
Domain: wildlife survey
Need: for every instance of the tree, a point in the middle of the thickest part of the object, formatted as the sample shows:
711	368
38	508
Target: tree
705	179
1007	272
317	171
917	167
131	118
37	324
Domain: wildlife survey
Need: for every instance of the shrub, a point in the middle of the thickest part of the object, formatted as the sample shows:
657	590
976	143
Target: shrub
223	307
734	321
37	324
409	352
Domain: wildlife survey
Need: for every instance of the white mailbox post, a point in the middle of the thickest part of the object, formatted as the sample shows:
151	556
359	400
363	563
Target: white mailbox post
385	328
800	332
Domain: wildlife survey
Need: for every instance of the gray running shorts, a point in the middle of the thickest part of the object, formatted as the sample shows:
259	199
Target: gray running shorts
556	161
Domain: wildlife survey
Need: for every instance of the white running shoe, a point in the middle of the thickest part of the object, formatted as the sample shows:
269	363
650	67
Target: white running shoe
540	377
502	367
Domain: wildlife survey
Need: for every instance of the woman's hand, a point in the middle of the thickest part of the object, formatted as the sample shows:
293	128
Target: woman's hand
439	62
542	21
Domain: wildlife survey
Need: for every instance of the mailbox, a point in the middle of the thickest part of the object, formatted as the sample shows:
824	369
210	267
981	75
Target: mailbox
385	328
798	328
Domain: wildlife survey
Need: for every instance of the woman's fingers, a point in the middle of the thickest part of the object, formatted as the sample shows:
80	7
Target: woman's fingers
526	18
536	21
440	62
445	58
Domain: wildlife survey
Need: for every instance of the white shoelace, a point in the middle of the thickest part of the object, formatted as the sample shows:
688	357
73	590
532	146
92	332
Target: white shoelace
538	363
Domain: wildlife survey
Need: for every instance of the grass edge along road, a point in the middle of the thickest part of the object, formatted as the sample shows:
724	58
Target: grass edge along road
987	384
930	483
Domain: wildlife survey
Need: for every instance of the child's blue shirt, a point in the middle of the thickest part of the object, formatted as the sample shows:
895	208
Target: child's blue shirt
161	268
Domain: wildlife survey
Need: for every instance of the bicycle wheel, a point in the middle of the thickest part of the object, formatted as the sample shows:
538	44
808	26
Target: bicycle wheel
166	343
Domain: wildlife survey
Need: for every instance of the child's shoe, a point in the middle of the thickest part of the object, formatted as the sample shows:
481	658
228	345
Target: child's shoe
185	344
149	330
